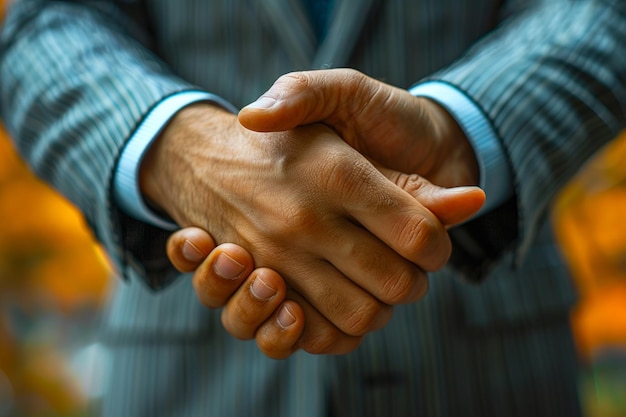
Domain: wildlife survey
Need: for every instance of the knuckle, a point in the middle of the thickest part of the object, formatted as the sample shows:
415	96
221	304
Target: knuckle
336	165
412	183
363	319
352	179
353	78
322	342
399	285
301	217
296	81
419	235
425	239
293	222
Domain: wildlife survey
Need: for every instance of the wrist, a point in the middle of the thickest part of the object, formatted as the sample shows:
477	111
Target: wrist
164	168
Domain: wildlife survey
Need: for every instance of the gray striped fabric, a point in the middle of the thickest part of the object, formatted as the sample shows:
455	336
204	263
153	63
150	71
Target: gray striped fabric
550	75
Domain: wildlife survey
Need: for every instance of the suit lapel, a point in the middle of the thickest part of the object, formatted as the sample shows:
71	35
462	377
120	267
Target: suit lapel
294	29
289	20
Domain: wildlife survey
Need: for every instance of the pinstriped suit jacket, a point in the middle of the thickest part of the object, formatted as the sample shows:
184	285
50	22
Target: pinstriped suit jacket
76	78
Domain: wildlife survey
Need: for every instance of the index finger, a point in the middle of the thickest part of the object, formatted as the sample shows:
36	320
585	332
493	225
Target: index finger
398	219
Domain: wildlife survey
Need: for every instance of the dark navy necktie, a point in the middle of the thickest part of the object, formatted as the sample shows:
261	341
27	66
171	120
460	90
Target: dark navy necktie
319	12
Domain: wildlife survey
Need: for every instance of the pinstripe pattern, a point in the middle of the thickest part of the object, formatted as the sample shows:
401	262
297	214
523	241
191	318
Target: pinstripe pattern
551	79
583	105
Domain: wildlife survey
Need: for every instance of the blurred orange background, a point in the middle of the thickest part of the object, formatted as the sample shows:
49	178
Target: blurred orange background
589	218
51	272
55	279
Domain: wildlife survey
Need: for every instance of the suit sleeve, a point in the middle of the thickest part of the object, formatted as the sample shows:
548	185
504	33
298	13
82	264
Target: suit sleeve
551	78
74	84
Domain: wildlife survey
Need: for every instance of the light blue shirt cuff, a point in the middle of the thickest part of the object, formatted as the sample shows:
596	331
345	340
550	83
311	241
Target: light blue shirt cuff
495	172
126	181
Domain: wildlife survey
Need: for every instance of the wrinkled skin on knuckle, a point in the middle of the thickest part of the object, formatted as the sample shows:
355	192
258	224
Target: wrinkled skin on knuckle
399	285
321	342
352	179
275	253
336	168
298	81
365	317
412	183
357	315
302	84
424	237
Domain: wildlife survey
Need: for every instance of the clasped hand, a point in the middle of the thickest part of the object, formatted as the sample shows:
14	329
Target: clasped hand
322	180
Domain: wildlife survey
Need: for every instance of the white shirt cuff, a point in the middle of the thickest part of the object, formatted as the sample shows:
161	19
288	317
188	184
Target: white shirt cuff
126	181
495	172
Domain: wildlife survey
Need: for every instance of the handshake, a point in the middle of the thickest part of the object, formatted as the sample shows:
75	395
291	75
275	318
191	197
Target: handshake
339	187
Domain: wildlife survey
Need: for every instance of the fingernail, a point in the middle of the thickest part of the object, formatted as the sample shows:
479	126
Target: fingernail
262	102
191	252
285	318
261	290
458	190
228	268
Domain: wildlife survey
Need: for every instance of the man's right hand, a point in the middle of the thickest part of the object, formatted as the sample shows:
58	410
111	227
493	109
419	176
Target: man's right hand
252	300
348	241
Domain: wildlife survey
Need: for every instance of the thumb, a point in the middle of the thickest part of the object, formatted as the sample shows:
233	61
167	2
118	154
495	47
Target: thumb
300	98
451	205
